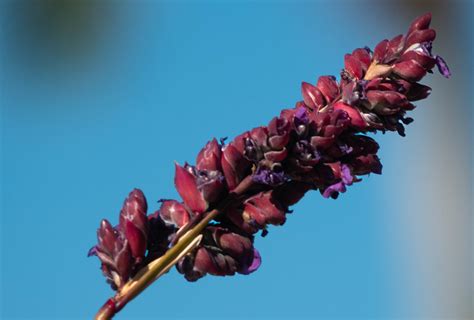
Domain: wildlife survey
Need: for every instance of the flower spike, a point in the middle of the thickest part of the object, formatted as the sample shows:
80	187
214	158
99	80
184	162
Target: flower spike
241	188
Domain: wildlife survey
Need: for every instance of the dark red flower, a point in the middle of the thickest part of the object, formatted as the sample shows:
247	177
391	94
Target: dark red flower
209	158
220	253
234	165
320	144
134	223
174	213
198	188
114	253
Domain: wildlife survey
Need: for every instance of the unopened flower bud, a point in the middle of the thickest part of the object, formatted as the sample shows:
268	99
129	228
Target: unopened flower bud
234	165
174	213
134	223
354	114
209	158
328	87
198	188
313	98
187	187
221	252
114	253
262	209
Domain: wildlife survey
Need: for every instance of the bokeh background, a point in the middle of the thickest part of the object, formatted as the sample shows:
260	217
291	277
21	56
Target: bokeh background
100	97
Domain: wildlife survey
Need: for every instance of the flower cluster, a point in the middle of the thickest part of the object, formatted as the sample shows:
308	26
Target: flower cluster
320	144
122	249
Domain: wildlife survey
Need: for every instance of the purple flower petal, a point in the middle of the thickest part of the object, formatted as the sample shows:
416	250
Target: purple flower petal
345	149
256	262
333	190
92	251
346	175
269	177
427	48
301	115
443	67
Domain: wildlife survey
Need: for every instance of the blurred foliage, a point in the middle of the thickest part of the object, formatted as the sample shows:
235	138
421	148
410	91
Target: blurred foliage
49	30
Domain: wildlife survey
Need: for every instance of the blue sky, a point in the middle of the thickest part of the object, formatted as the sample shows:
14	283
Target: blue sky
87	119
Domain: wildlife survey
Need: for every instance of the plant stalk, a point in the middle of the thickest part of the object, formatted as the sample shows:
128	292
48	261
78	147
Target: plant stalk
160	266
